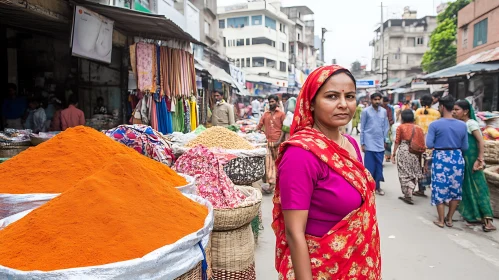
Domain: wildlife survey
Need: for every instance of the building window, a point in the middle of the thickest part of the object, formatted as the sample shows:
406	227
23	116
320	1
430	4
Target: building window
282	66
262	40
411	42
240	42
238	63
225	42
270	23
299	36
207	28
480	33
256	20
465	37
271	63
283	47
396	56
420	41
248	62
221	24
258	61
242	62
291	48
248	42
238	22
282	28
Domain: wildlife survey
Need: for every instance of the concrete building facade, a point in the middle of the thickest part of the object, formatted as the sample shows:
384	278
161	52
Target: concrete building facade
405	42
256	37
477	28
302	53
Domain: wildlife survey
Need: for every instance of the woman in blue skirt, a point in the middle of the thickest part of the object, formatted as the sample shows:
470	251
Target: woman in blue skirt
448	138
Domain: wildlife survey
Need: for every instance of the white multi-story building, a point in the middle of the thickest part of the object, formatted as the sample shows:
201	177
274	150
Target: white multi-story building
256	38
405	42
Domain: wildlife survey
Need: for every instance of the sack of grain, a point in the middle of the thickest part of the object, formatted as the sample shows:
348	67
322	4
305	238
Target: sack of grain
492	177
220	137
491	151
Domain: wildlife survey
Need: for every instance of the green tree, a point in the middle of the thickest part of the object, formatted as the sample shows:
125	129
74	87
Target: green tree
442	52
355	67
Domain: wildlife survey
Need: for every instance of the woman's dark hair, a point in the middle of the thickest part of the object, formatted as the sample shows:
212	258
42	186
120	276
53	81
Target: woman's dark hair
376	94
437	94
448	102
73	99
276	99
426	101
465	105
407	116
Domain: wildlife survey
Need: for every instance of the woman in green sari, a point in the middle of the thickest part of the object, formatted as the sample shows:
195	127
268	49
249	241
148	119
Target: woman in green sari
475	206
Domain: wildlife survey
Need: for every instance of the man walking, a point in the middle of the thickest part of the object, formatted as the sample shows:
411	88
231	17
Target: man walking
223	112
373	138
272	120
255	108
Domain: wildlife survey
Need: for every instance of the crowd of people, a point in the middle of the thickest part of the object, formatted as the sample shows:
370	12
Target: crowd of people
43	114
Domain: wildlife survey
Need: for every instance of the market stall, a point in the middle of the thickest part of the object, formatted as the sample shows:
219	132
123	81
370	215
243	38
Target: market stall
82	203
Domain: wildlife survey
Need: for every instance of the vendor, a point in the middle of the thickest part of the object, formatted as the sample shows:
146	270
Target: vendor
72	116
223	112
100	108
13	108
55	124
39	116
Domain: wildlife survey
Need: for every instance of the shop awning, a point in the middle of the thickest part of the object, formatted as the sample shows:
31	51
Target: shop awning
141	24
398	84
463	70
219	74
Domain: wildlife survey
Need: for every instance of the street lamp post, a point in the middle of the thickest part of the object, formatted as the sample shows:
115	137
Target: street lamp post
324	31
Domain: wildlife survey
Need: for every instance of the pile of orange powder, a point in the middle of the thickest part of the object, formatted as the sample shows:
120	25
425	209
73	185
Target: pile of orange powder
121	208
119	213
61	162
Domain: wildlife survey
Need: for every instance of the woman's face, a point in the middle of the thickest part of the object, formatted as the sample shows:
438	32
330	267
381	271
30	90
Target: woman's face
459	113
335	103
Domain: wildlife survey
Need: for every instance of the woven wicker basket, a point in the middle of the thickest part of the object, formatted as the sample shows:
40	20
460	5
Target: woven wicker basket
245	170
491	151
194	274
8	150
233	254
493	181
233	218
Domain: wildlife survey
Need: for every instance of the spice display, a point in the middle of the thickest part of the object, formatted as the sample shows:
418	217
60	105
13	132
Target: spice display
61	162
211	180
220	137
110	216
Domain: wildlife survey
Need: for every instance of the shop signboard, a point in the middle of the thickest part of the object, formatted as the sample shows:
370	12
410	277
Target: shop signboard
291	80
366	83
92	35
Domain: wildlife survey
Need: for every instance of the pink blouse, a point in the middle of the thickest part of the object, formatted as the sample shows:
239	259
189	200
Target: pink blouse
307	183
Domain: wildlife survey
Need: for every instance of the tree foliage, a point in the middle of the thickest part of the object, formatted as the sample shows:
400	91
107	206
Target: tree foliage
355	67
442	52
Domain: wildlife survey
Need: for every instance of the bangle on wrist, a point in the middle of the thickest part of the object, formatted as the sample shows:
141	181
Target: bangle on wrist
479	159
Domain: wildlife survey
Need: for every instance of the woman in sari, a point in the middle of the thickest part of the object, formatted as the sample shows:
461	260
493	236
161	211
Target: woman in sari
324	215
475	206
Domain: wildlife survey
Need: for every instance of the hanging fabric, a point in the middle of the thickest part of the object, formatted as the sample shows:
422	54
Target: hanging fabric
145	61
187	116
194	112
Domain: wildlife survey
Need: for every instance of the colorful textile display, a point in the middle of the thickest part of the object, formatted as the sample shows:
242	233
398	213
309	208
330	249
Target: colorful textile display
145	71
211	180
144	140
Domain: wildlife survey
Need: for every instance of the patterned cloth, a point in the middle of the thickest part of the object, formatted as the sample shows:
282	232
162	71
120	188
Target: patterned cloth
144	140
475	205
409	168
145	70
447	172
211	180
351	249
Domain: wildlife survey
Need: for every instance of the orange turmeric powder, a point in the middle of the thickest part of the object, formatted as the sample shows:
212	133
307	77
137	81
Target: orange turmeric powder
121	212
58	164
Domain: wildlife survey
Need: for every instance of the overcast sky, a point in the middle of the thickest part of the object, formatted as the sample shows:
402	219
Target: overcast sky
352	23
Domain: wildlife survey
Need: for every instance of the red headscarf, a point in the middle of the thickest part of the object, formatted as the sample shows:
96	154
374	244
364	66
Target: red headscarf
351	249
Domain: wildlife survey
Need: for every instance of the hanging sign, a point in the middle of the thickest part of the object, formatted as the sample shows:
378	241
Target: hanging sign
92	35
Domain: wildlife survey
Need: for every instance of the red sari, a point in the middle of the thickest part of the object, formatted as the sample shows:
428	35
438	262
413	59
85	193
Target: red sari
351	249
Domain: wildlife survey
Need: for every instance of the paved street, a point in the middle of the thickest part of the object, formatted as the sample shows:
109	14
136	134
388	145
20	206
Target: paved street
411	246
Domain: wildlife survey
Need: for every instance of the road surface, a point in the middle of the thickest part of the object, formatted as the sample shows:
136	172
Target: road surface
411	246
